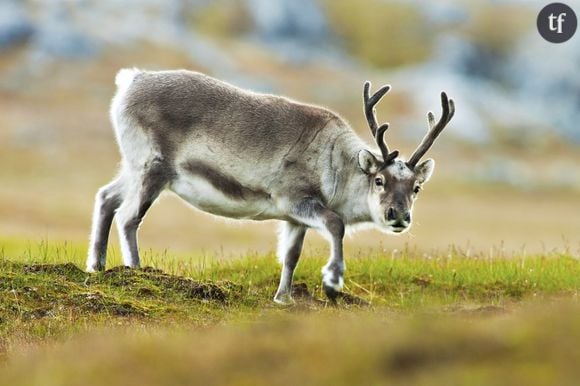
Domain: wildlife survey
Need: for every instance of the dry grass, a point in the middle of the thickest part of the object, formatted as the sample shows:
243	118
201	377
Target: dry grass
536	346
380	33
514	19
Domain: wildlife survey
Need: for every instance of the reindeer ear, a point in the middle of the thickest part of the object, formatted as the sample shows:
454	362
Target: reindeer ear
368	162
424	170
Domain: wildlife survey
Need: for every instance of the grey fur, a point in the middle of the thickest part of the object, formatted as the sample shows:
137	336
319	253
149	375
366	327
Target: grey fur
245	155
229	186
291	239
107	201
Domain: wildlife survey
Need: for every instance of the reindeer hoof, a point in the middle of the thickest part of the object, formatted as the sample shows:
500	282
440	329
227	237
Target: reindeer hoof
332	286
331	292
284	299
93	268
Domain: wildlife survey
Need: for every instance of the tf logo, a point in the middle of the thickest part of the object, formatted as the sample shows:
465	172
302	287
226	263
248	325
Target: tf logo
557	22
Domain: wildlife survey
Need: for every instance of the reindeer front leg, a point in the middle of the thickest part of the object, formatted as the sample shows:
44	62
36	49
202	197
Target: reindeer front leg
314	214
290	240
333	271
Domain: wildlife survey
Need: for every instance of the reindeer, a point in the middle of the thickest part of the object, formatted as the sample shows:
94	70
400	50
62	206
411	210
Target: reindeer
244	155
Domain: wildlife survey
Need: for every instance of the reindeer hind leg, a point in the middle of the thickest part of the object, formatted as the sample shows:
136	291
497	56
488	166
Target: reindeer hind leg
107	200
142	191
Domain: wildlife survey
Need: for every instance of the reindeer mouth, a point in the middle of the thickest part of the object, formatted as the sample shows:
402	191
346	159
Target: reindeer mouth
398	227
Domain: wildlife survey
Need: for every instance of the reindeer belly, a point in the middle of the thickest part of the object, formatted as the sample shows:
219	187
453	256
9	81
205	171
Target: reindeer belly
222	196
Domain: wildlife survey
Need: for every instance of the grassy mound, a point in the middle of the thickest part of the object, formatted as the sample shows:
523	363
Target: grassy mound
32	291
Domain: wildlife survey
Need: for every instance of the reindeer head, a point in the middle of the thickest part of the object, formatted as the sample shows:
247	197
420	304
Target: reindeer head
393	183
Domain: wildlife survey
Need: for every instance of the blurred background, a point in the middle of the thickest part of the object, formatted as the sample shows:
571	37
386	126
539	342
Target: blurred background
507	175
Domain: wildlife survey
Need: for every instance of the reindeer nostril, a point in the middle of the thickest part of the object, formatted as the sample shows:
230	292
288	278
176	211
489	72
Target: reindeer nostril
391	214
408	217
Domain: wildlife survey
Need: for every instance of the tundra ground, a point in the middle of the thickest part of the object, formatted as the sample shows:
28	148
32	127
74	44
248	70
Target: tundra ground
406	318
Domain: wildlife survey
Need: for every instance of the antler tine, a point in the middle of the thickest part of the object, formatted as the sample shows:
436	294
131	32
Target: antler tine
387	157
370	102
370	113
448	110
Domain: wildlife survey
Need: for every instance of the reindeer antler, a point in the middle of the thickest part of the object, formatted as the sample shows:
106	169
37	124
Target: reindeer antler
370	113
448	107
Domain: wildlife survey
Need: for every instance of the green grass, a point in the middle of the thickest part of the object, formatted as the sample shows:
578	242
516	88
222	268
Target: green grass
48	295
405	313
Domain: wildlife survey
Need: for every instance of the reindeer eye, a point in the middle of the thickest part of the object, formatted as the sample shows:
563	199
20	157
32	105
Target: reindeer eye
378	181
416	190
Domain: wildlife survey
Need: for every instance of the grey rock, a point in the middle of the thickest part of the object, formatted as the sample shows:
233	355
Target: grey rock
296	30
301	20
15	27
59	36
544	76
